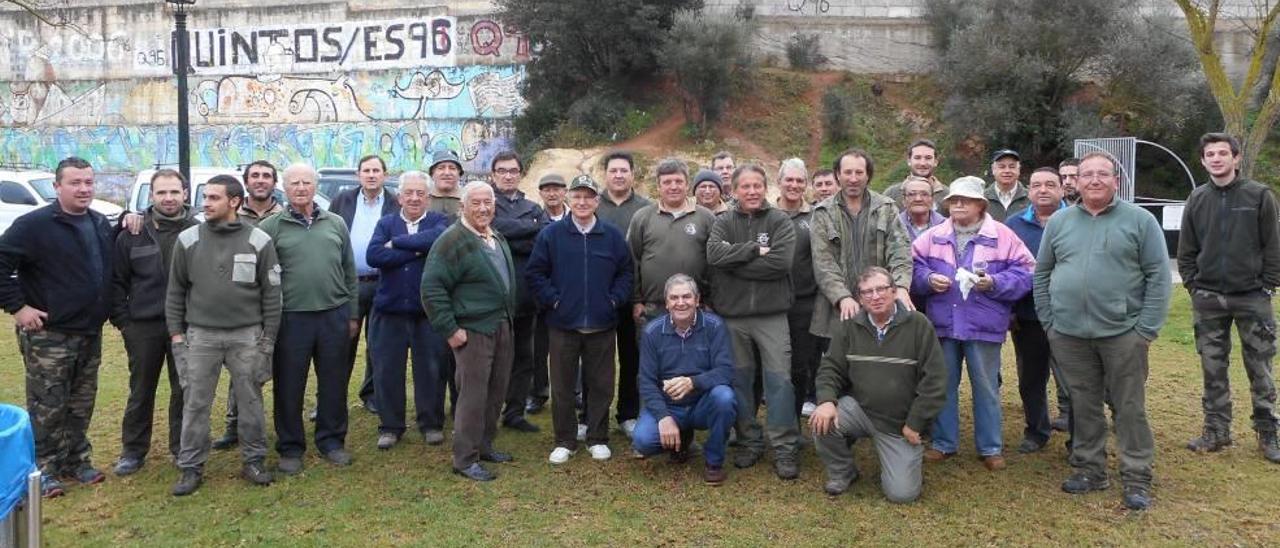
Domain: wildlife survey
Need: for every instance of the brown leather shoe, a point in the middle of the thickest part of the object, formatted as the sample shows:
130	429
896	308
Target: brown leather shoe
714	475
993	462
934	455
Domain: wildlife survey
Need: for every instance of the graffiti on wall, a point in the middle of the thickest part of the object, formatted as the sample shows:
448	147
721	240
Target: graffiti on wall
131	148
325	47
477	91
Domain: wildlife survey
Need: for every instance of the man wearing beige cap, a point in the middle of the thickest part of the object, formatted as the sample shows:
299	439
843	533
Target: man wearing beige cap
580	272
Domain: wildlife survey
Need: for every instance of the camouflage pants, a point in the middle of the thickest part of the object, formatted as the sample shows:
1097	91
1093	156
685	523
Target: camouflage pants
62	382
1213	314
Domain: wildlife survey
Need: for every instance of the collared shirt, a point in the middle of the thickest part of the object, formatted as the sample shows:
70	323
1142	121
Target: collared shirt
1006	198
411	226
315	212
555	217
689	207
882	330
935	219
686	332
253	215
585	229
486	236
362	224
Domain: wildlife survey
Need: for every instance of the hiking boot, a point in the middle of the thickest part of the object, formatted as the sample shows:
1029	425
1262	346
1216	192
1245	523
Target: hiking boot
86	474
934	455
713	475
1029	446
338	457
1080	483
993	462
387	440
227	441
1060	424
433	437
127	465
290	466
188	483
1136	498
837	486
255	473
50	487
1212	440
746	459
1269	443
785	466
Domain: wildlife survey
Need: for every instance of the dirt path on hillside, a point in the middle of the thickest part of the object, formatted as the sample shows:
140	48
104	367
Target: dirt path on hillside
819	83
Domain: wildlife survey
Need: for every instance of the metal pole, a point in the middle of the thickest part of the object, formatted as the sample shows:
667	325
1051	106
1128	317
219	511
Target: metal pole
33	509
181	66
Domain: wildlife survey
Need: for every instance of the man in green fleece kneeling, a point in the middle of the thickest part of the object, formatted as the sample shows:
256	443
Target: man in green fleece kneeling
883	378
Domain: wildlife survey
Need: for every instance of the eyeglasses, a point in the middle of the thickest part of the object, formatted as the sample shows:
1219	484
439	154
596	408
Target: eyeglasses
875	291
503	172
1096	176
918	194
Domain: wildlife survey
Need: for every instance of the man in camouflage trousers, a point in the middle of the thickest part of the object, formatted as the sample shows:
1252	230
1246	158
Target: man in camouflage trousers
1229	258
60	297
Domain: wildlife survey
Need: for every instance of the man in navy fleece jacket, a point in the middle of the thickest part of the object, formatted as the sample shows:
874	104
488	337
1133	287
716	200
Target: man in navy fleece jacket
686	380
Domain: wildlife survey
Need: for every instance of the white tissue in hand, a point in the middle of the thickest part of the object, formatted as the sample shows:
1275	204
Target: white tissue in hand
966	281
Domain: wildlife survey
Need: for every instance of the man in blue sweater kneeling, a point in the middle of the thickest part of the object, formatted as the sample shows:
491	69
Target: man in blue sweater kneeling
686	381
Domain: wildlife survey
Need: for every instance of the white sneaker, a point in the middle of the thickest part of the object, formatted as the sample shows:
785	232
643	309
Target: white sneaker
808	408
560	455
582	432
629	428
600	452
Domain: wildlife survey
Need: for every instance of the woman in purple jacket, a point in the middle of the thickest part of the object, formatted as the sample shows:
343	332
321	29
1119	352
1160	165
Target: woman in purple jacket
971	269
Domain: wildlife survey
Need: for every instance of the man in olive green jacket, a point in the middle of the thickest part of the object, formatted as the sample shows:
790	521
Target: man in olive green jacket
852	230
469	293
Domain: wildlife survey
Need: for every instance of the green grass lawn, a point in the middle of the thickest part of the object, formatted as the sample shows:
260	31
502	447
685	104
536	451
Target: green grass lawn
407	496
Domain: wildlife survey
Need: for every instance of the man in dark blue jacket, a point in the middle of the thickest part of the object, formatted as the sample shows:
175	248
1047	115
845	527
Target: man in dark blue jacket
686	381
398	249
580	272
519	220
361	208
61	295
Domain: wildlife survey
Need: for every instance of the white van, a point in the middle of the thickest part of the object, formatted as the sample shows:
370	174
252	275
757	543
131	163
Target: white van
22	190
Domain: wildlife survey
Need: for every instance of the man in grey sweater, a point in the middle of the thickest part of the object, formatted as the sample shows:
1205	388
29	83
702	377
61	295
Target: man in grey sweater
223	308
1102	293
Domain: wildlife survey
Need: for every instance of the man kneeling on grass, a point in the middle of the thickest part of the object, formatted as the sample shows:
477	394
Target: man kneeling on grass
685	381
883	378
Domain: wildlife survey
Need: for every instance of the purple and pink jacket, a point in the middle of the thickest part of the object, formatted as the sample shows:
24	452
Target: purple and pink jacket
985	315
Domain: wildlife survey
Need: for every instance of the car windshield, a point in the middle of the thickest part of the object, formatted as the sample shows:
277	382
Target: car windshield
44	187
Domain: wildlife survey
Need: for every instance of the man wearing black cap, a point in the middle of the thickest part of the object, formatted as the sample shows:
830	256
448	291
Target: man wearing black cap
519	220
446	173
1006	195
709	192
551	187
580	272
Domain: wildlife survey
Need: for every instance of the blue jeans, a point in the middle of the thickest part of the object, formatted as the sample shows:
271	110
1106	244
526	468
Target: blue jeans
391	337
984	369
714	412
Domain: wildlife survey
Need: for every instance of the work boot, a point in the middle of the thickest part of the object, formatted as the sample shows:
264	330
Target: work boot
256	473
1212	440
784	465
227	441
1269	443
188	483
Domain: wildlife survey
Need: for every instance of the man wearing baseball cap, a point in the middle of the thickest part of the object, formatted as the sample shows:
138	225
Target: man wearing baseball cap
551	187
1006	195
580	272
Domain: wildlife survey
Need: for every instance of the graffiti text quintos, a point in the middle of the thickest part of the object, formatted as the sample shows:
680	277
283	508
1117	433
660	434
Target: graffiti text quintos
324	47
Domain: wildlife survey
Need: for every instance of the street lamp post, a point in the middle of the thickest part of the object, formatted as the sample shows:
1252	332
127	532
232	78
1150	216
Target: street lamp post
182	65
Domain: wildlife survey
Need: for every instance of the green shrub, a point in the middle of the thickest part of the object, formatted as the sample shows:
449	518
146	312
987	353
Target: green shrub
804	52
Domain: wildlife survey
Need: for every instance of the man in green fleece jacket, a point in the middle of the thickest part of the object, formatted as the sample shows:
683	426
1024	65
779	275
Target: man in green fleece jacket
884	379
1102	294
222	308
1229	257
469	293
750	252
320	303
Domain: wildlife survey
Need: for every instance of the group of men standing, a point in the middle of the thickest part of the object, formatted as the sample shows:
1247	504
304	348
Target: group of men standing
852	307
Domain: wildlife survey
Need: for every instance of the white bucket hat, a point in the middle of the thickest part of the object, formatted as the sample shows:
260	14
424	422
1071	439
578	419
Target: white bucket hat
966	187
